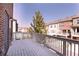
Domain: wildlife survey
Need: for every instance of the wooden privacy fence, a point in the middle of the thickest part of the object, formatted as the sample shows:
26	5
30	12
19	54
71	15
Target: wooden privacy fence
62	46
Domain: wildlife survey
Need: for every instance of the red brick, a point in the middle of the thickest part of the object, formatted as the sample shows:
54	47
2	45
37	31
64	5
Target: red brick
9	12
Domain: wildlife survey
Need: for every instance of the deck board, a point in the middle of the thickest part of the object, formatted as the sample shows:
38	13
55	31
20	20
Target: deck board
29	48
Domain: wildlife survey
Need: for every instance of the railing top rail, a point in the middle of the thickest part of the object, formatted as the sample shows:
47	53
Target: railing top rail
64	39
60	38
22	32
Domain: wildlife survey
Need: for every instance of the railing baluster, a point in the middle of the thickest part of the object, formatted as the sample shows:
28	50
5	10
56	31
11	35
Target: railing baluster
64	48
67	48
70	49
53	42
61	46
74	49
78	49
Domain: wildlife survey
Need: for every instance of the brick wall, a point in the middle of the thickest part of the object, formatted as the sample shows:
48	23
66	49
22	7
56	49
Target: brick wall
6	12
1	30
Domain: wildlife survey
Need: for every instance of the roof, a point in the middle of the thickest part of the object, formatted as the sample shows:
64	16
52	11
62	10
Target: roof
62	20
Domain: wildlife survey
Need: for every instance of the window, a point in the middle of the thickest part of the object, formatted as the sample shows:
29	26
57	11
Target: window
78	21
77	29
64	31
69	32
51	26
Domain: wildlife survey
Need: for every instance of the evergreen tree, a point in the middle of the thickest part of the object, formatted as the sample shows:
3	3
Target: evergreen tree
29	30
38	24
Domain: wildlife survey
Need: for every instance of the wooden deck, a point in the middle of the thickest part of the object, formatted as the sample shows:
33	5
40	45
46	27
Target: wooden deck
29	48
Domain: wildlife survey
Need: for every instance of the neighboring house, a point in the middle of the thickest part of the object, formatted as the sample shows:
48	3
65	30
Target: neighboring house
75	27
53	28
22	29
6	14
68	27
65	27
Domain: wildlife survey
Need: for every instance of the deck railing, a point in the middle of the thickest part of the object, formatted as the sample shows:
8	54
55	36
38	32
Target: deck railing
21	35
62	46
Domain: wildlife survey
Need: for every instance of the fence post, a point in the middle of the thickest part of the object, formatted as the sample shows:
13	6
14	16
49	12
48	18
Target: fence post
64	47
